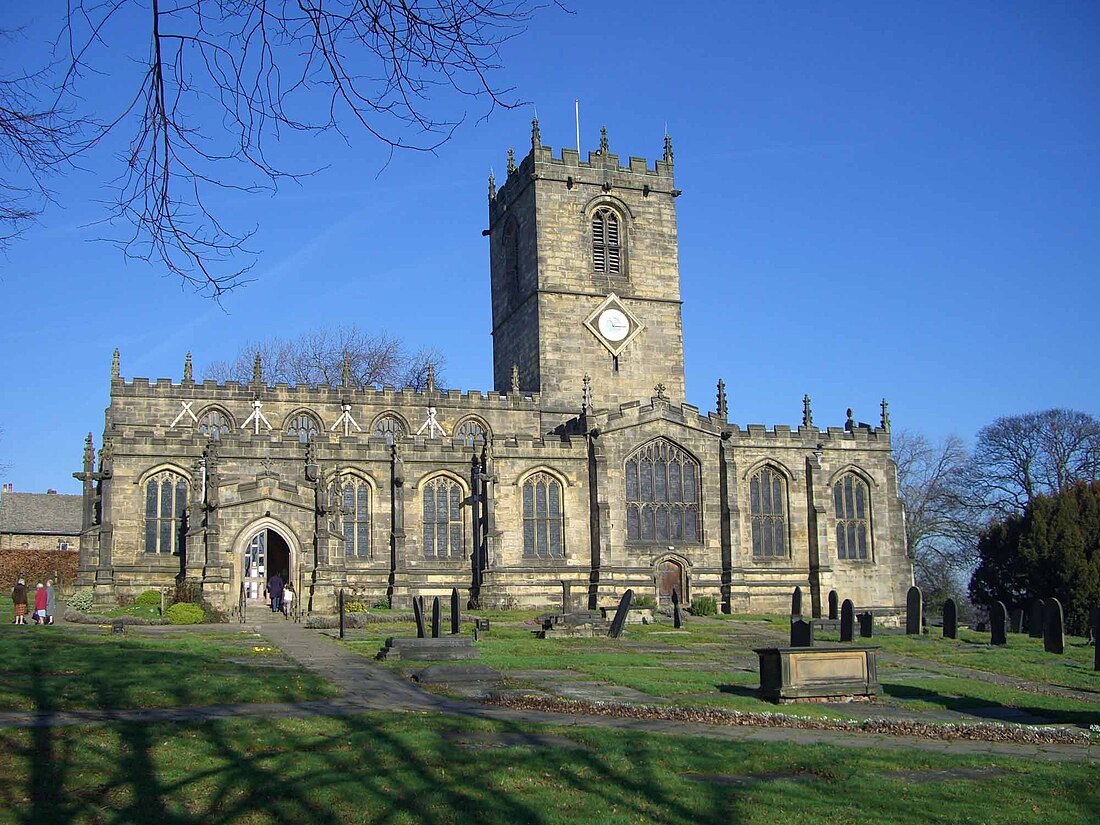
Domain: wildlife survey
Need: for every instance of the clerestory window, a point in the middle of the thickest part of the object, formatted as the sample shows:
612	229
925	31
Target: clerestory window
303	427
214	424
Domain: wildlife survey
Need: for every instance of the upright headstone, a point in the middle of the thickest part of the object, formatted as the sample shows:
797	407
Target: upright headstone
566	597
418	614
620	615
802	633
677	616
796	602
914	607
867	624
341	600
1094	624
998	619
436	617
456	617
1035	619
834	600
1016	620
950	620
847	621
1054	634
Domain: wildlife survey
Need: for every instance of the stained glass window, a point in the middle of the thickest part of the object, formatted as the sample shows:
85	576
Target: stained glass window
851	502
662	501
768	513
354	496
165	504
443	518
542	517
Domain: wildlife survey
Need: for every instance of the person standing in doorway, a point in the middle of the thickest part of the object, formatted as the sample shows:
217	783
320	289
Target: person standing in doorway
275	588
288	599
19	602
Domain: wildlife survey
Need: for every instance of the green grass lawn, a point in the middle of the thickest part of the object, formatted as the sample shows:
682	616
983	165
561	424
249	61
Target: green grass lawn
68	668
398	768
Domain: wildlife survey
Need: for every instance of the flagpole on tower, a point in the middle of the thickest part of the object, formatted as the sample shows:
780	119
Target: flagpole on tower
577	109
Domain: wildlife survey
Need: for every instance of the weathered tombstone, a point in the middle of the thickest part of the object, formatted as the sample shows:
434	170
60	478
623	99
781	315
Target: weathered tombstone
456	618
796	602
677	616
341	600
1094	624
436	616
620	615
833	608
1016	620
1035	619
867	624
1054	635
998	618
847	621
566	597
914	608
418	614
950	620
802	633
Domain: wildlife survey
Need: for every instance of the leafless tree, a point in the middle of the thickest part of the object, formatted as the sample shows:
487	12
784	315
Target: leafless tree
217	82
317	358
1019	457
940	531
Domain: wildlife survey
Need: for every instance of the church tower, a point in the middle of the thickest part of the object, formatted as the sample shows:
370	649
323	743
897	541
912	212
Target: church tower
585	277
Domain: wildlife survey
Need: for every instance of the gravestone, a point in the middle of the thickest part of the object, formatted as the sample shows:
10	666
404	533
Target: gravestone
436	616
677	616
1035	619
950	620
566	597
1094	624
847	621
998	619
796	602
802	633
456	618
833	608
1016	620
1054	635
914	607
620	615
867	624
418	614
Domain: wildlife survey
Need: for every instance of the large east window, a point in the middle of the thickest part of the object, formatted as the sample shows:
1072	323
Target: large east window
165	504
542	517
662	494
851	504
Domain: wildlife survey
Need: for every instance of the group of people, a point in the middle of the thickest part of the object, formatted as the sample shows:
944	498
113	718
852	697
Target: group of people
280	593
44	603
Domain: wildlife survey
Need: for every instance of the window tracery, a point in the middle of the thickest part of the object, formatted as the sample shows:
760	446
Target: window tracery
662	494
607	253
542	517
304	427
165	504
851	501
442	518
768	513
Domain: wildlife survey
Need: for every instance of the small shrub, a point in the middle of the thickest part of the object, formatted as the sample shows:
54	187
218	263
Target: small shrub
355	607
150	598
380	604
644	601
704	606
80	601
184	613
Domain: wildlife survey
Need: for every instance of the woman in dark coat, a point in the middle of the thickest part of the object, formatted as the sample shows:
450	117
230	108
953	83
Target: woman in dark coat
19	600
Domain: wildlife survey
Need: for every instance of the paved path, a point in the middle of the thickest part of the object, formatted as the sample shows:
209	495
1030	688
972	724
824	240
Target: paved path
368	686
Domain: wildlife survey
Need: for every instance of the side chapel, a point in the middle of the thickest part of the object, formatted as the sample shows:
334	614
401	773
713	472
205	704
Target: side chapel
584	465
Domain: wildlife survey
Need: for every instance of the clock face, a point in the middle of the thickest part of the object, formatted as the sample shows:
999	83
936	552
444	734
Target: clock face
614	325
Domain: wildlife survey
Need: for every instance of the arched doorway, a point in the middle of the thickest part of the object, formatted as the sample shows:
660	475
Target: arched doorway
265	554
670	576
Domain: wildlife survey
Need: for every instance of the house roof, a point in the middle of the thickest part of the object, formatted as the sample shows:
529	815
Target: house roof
49	513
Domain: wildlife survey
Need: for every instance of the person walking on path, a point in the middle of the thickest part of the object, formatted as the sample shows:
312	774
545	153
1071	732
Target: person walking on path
51	601
275	587
288	599
40	604
19	601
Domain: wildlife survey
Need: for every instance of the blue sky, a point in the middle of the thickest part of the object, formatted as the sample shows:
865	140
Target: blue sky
880	199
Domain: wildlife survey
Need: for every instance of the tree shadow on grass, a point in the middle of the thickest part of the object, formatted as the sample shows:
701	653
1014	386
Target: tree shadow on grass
975	706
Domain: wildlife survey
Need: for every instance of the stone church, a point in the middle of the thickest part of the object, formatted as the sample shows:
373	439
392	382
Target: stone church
584	465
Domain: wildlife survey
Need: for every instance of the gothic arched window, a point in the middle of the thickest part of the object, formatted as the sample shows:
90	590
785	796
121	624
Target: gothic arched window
354	496
662	494
768	513
390	428
443	518
165	504
542	517
851	500
607	253
471	433
304	427
214	424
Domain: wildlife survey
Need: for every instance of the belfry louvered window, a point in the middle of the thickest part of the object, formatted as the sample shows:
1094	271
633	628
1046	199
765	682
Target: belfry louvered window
851	501
607	252
662	494
165	504
768	512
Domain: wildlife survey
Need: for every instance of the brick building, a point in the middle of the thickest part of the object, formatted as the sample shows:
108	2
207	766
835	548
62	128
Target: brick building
584	464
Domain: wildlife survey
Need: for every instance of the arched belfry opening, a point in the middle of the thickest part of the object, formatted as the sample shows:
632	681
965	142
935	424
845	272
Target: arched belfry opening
265	554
